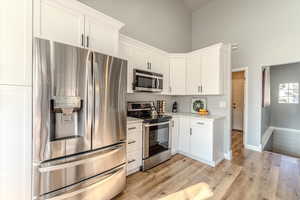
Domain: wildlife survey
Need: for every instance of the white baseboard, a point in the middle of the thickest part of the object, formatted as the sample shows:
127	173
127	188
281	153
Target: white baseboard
228	155
286	129
254	148
266	136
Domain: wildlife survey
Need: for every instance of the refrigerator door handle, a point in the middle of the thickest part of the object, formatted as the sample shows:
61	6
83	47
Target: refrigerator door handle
89	93
103	178
75	163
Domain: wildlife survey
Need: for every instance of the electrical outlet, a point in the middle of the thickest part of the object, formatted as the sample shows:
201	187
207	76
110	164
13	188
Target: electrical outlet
222	104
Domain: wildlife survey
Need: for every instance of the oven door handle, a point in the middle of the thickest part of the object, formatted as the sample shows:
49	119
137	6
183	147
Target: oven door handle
157	124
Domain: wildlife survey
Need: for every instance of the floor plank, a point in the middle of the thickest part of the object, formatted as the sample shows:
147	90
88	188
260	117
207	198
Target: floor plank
250	175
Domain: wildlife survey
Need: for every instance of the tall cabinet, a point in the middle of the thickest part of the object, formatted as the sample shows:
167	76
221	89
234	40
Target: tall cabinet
15	99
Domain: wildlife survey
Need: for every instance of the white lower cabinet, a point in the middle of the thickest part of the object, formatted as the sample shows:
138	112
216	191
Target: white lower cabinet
134	147
202	139
175	135
184	135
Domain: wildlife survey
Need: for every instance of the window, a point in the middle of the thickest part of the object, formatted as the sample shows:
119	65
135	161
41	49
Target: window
288	93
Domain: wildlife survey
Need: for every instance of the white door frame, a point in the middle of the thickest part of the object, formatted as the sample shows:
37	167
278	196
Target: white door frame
245	112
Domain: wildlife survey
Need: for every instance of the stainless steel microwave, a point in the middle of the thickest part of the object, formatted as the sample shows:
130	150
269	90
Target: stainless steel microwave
145	81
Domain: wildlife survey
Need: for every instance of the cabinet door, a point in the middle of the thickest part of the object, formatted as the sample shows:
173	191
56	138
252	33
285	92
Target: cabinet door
166	72
55	20
211	71
184	135
175	135
178	75
16	42
125	51
140	58
193	74
15	142
201	141
101	36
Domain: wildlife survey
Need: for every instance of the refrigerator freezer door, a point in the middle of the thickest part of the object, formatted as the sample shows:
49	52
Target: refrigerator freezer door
62	100
102	187
110	80
64	172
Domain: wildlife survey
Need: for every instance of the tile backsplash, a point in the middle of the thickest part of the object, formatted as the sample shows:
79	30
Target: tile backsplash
151	97
214	103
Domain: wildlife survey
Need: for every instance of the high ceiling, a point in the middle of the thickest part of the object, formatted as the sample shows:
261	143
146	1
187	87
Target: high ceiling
195	4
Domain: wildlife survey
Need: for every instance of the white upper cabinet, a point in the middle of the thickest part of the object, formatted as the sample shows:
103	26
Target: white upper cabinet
165	67
57	21
205	71
101	36
74	23
16	42
193	74
140	58
212	70
177	74
144	57
125	52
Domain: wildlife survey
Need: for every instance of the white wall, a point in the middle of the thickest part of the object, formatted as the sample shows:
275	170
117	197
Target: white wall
267	33
165	24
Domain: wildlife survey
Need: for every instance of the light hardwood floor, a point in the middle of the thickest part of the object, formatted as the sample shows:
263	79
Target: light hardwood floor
249	176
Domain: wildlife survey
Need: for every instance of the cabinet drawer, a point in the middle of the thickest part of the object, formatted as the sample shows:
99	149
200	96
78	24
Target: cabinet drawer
201	123
134	140
134	127
133	160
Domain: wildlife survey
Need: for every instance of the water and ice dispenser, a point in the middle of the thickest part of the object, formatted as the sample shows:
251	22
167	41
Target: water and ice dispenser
66	110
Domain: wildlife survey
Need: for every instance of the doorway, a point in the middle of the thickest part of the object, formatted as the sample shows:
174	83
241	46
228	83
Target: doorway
238	111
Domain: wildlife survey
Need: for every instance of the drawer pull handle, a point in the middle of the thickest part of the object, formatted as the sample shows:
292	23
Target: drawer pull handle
132	142
131	161
131	128
200	123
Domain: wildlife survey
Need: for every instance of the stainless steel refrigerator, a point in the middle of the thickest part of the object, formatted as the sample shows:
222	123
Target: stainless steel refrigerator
79	123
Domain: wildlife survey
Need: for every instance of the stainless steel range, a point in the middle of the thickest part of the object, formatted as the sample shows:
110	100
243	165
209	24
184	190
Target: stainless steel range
156	133
79	128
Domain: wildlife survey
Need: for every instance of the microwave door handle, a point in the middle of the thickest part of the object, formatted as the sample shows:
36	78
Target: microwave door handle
157	83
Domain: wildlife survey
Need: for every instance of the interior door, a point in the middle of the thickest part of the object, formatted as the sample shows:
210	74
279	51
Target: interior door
238	81
110	76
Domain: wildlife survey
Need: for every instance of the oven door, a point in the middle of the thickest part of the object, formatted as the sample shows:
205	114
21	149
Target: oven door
156	138
147	83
